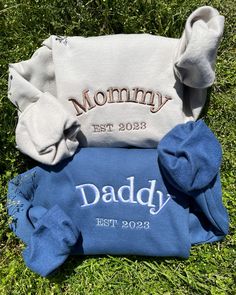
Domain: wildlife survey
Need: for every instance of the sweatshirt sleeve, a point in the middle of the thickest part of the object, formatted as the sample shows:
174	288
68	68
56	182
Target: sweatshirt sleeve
49	233
19	201
51	242
190	158
196	54
45	130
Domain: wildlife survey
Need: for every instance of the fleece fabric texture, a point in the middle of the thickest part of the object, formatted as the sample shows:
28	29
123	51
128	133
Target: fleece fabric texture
112	91
150	202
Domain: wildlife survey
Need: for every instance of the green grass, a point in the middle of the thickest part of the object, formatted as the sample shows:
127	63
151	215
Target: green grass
210	268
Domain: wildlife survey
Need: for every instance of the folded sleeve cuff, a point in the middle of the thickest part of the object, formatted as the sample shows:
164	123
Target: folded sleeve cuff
51	241
190	156
196	53
46	132
19	202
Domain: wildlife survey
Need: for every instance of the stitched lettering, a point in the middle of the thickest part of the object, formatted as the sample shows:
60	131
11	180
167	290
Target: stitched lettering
111	94
109	127
123	224
130	189
160	103
85	106
97	100
105	222
97	128
155	200
150	193
147	97
126	96
93	190
143	96
109	194
131	224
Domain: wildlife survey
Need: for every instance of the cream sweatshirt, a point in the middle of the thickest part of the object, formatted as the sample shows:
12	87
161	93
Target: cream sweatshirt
112	91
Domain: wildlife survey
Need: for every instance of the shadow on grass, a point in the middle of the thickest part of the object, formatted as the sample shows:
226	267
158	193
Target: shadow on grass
68	268
204	112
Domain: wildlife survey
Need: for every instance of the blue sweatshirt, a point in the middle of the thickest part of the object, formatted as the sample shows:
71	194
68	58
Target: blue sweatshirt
151	202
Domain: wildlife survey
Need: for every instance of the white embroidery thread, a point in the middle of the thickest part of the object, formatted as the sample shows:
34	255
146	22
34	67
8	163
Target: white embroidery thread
146	196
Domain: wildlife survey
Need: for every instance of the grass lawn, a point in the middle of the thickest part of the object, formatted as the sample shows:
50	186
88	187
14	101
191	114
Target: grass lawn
24	24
